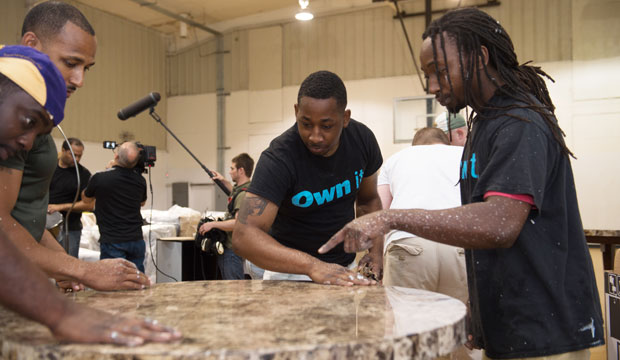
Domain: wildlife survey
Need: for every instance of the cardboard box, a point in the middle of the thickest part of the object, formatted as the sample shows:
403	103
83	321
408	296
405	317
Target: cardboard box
188	224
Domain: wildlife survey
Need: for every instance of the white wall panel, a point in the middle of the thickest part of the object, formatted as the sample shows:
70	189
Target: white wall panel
265	102
597	167
192	120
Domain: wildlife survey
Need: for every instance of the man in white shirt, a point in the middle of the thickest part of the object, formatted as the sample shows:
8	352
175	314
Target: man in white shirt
426	176
454	126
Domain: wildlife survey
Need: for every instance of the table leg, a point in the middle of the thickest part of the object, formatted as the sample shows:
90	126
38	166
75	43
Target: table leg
608	256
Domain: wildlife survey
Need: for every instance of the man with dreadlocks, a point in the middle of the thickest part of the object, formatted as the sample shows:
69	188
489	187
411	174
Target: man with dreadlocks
530	276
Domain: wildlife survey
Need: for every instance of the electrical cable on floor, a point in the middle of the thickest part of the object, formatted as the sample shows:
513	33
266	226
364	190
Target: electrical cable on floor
150	223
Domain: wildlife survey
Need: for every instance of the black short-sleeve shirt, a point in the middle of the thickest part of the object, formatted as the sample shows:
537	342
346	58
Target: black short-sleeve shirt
538	297
119	194
315	194
62	190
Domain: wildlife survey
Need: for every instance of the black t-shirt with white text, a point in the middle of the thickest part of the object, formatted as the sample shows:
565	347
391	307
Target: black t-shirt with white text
315	194
62	190
119	194
538	297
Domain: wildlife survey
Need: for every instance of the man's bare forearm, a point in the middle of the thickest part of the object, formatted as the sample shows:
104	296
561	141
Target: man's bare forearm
25	289
495	223
226	225
251	240
48	241
80	206
55	263
266	252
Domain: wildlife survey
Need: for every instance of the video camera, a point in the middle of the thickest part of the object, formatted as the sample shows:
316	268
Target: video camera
148	155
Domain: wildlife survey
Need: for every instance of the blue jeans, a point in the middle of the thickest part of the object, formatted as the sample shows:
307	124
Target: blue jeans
74	241
230	265
133	251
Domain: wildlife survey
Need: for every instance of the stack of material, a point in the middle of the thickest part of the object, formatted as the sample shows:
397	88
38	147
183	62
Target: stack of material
176	221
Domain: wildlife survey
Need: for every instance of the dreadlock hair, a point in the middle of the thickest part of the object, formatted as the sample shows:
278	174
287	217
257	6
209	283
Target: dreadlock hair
48	18
471	29
324	85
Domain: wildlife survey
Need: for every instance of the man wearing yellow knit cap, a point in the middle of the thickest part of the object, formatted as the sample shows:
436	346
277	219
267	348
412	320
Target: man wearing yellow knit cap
33	93
32	101
60	31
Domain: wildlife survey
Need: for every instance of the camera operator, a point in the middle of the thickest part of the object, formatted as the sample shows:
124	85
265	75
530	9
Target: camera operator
120	192
229	263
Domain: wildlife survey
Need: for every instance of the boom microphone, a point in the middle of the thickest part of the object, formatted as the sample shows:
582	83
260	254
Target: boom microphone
139	106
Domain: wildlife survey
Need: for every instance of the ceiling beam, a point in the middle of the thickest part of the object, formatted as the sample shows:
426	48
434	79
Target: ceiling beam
169	13
424	13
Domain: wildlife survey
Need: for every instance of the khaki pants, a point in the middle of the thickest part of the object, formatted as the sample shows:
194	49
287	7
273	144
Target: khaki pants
423	264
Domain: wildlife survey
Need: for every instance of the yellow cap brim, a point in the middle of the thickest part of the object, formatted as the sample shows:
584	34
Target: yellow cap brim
26	75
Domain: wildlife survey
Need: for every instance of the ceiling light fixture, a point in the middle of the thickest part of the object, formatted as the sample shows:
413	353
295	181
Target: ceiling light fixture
183	27
304	15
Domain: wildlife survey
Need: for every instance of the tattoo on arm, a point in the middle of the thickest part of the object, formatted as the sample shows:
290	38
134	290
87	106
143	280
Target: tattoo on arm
251	206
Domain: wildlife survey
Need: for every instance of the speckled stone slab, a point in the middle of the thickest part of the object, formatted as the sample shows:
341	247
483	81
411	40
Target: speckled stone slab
263	320
598	232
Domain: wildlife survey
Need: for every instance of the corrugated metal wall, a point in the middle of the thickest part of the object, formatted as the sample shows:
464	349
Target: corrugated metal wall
541	30
358	45
12	14
369	43
194	70
130	63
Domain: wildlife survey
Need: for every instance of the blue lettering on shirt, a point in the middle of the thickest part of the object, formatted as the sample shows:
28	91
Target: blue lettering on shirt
464	167
306	198
328	195
346	186
464	170
473	166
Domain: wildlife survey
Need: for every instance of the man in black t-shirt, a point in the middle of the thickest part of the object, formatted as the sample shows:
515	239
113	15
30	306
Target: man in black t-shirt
120	191
531	282
62	192
313	179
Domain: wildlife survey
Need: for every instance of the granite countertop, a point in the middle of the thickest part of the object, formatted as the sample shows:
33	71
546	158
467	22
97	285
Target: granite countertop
596	232
263	319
